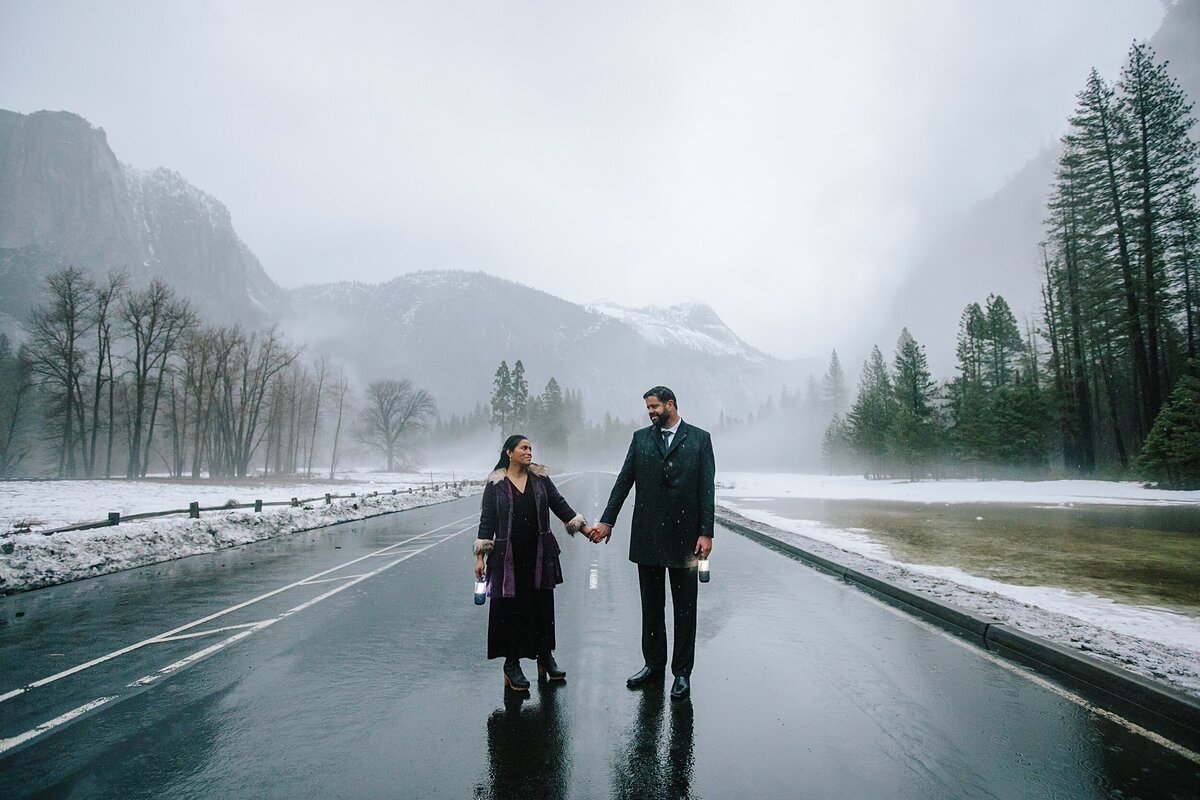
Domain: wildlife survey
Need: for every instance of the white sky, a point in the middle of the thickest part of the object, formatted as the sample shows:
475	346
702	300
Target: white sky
783	162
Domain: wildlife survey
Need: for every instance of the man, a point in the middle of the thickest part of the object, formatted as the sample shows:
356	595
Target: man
671	464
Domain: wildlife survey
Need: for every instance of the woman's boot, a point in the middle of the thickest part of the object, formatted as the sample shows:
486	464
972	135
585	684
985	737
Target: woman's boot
548	668
513	677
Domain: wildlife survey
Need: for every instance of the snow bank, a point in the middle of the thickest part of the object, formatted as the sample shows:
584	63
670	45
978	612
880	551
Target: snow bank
39	505
33	560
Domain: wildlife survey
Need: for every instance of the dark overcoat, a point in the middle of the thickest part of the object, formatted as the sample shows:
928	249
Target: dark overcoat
495	531
675	497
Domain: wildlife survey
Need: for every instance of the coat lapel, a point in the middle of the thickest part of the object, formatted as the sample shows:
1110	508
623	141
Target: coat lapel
679	436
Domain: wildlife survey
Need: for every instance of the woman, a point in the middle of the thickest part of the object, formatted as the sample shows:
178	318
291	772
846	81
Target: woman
522	566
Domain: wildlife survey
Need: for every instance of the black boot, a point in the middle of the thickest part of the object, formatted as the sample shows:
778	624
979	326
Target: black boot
513	677
548	668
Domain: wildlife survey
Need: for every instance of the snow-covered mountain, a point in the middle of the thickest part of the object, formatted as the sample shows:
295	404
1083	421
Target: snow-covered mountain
448	331
690	324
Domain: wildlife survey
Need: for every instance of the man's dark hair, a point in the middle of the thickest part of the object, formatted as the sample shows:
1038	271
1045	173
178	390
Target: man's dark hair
664	395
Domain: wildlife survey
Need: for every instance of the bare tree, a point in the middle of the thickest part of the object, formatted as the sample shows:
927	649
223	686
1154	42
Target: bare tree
254	362
394	409
107	295
321	369
156	321
341	388
57	332
16	381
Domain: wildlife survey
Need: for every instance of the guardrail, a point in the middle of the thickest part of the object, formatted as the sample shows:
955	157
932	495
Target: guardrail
194	508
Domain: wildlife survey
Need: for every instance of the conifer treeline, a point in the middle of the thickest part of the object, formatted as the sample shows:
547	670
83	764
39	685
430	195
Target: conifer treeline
1120	298
1107	383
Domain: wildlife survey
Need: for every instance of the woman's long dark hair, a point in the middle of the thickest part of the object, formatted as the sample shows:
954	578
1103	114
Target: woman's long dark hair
510	444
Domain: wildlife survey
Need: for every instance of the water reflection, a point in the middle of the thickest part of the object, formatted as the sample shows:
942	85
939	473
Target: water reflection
527	748
649	767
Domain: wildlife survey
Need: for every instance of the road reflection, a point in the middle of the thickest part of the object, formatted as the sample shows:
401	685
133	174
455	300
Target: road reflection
649	767
527	748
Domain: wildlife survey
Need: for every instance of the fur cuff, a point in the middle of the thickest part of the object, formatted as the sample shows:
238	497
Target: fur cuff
576	524
483	546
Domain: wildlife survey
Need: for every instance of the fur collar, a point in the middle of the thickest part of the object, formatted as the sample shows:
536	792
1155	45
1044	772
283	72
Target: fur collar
536	469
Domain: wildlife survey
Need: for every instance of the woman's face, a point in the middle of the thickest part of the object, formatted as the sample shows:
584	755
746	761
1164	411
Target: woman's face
522	453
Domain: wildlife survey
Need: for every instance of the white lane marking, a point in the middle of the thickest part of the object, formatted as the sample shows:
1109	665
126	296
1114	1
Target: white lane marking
593	578
21	738
197	634
154	639
1038	680
333	580
146	680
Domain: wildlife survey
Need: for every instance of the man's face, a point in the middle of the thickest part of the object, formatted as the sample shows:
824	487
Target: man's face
661	414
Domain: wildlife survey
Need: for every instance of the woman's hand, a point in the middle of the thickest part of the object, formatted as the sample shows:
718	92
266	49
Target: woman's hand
479	568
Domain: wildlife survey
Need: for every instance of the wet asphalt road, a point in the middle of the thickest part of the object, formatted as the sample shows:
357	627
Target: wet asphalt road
369	680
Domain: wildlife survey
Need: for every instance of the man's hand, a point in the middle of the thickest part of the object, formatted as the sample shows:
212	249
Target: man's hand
704	546
601	532
479	570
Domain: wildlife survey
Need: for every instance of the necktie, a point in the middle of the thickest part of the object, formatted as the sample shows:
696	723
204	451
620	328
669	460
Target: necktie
666	440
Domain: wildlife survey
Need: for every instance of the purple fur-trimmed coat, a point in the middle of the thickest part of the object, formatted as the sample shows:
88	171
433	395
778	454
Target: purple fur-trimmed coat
495	531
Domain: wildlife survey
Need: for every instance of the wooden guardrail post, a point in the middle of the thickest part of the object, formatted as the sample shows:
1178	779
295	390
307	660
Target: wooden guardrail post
295	502
194	510
258	506
114	518
328	499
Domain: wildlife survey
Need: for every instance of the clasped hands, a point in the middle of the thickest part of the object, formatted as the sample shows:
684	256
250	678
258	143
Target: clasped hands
602	532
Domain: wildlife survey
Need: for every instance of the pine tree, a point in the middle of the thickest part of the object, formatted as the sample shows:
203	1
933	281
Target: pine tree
914	434
502	404
835	445
833	386
1171	455
872	414
519	395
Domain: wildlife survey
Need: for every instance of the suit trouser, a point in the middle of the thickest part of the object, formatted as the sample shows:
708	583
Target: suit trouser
654	619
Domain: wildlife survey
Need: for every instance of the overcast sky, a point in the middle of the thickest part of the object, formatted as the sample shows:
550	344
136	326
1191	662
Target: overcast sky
783	162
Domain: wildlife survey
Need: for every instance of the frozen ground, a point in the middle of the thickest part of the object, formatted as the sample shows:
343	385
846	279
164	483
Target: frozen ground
1149	641
30	560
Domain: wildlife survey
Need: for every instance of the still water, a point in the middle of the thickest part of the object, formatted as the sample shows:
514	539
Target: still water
1141	555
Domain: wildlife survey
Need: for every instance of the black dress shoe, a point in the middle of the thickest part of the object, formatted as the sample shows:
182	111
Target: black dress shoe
680	689
644	676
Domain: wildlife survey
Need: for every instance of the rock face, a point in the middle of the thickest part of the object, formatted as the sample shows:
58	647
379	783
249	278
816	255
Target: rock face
450	330
65	199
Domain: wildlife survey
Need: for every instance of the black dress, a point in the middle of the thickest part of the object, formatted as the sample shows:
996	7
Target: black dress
522	626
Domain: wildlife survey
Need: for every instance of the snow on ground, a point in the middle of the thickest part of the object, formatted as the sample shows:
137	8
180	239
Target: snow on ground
852	487
1148	641
39	505
30	560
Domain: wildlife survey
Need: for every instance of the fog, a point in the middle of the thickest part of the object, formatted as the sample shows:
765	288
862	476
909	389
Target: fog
785	163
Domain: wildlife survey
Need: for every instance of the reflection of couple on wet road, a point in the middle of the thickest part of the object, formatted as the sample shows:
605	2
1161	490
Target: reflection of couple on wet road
671	465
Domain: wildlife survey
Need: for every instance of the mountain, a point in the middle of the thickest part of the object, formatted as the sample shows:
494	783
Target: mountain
993	248
65	199
448	331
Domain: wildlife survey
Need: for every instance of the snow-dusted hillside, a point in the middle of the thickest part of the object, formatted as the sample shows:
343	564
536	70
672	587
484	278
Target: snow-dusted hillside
690	324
